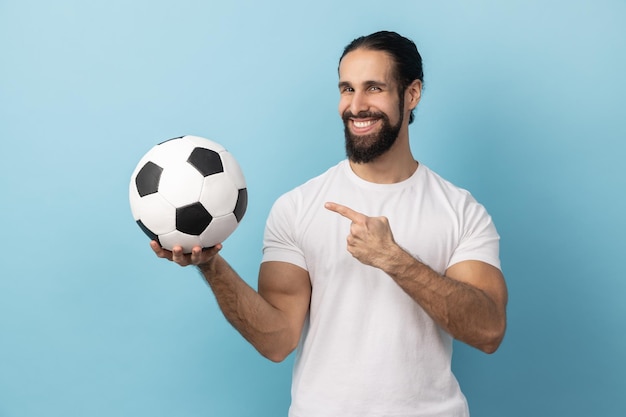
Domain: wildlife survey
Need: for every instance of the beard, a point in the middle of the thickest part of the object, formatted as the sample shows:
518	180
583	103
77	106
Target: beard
366	148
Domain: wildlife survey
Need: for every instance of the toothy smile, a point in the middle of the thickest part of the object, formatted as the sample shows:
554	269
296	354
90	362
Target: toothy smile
363	124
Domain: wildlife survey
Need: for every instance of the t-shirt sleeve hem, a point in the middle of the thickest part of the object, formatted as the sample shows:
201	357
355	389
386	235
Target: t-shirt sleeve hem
284	256
486	259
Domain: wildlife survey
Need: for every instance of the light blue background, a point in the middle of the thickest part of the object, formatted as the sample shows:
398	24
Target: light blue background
524	106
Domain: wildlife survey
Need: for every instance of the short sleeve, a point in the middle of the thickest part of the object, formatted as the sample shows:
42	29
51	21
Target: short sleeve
279	239
479	240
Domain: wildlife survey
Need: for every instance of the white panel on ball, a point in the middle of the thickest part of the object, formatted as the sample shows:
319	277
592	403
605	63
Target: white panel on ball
219	229
222	186
176	238
156	213
170	152
135	199
232	168
180	183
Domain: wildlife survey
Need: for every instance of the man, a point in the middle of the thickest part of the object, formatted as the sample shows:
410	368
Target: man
372	268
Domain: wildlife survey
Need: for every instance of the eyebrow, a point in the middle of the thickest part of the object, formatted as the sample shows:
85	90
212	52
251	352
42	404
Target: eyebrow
367	83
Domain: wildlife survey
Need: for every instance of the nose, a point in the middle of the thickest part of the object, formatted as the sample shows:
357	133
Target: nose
358	103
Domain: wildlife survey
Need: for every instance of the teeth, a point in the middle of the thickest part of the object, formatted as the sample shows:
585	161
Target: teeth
363	124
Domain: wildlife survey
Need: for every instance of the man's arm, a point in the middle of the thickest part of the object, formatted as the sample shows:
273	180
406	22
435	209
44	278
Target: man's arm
270	319
468	301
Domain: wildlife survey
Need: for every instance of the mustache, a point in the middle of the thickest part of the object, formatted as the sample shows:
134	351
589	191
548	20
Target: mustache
347	115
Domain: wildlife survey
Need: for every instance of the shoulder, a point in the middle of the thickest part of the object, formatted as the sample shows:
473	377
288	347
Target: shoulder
459	200
313	186
435	183
327	176
478	238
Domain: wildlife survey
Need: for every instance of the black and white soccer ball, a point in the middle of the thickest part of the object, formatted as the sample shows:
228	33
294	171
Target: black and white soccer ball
188	191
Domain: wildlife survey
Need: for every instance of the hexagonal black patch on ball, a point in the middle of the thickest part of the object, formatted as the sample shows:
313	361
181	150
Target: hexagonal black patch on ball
147	179
192	219
242	204
206	161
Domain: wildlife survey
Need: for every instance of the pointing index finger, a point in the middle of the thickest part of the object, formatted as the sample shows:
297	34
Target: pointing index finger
346	212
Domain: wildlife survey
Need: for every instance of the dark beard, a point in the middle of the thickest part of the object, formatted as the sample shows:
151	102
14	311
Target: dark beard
366	148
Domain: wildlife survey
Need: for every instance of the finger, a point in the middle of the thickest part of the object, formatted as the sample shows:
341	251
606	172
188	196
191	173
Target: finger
155	246
196	255
200	256
179	257
346	212
159	251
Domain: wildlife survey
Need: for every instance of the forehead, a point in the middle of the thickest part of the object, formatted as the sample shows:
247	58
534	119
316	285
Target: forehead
366	65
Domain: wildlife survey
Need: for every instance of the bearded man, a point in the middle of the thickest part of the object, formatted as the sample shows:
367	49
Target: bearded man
371	269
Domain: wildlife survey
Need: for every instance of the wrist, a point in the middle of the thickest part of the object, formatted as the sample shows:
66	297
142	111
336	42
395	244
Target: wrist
399	261
207	267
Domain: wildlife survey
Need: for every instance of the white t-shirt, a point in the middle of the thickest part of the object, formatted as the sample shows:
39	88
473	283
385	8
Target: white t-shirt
367	348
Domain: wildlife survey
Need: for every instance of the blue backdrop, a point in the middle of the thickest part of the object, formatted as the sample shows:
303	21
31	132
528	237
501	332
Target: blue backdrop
524	106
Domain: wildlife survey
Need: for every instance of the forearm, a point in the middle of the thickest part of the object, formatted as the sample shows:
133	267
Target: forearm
466	312
259	322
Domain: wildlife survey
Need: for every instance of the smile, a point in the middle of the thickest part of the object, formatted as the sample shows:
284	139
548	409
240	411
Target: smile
363	124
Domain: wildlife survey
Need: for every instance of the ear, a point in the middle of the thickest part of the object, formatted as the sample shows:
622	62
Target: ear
414	94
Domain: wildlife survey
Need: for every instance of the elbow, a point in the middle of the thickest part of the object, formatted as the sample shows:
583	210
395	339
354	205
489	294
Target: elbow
275	357
492	340
276	345
276	354
490	348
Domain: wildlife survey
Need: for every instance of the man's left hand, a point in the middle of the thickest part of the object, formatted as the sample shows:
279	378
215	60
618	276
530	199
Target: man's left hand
370	239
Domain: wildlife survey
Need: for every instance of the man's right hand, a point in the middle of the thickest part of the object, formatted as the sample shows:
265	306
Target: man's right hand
198	256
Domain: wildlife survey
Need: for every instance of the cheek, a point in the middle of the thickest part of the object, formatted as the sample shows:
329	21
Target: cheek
342	106
395	112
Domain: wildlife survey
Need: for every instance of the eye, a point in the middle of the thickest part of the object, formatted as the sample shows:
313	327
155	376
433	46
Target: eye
347	89
374	88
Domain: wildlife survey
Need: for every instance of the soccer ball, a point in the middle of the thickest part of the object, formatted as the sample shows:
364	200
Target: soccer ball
188	191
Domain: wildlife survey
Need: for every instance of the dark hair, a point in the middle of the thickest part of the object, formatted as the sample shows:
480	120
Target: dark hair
406	57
